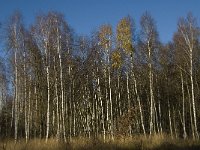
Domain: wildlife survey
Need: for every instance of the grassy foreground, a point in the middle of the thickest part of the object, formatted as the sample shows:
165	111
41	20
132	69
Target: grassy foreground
123	143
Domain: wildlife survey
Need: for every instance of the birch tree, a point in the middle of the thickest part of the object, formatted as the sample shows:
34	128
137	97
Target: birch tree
188	33
125	35
149	39
105	36
42	35
15	44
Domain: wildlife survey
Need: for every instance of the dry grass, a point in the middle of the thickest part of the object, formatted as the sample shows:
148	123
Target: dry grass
35	144
155	142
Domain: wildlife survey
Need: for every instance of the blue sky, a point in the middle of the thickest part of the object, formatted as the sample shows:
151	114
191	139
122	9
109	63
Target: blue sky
86	15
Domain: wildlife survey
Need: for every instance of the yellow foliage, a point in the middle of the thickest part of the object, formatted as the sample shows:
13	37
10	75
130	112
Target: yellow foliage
105	34
124	35
116	60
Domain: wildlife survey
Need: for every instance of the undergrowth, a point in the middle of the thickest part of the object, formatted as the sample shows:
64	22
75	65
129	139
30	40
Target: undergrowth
156	142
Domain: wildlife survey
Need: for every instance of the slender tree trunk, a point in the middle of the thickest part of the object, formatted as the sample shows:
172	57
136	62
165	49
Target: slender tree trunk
25	112
139	104
57	105
102	109
156	119
193	96
170	119
160	118
129	103
111	107
119	95
70	101
29	110
16	97
74	109
61	81
174	122
128	91
151	91
36	110
48	102
191	114
183	109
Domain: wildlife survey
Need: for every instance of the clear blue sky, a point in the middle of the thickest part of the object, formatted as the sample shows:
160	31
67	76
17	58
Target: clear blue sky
86	15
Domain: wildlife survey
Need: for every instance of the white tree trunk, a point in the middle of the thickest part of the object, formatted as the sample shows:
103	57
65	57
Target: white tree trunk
192	95
139	103
61	82
151	90
48	102
183	109
170	119
16	98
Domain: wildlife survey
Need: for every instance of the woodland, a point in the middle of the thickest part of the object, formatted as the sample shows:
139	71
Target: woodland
117	82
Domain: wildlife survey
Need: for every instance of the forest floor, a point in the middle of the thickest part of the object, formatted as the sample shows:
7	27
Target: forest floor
122	143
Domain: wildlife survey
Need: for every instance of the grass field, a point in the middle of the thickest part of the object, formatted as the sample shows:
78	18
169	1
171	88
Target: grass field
123	143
